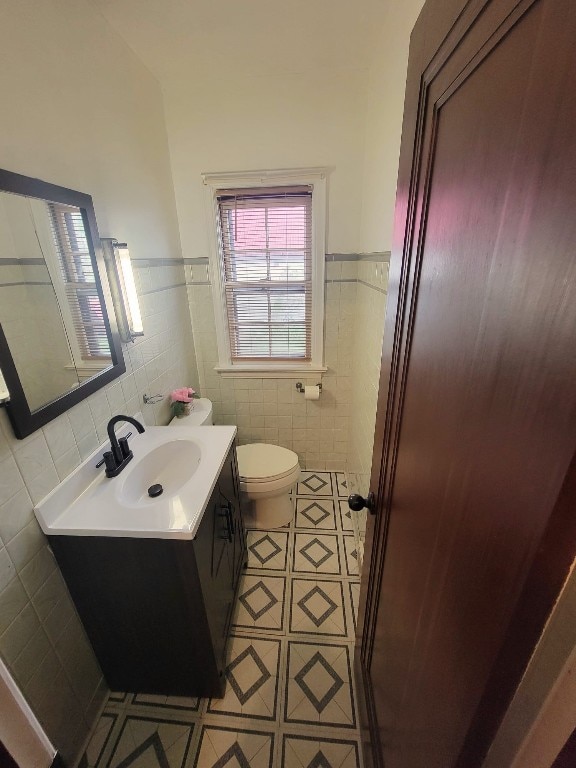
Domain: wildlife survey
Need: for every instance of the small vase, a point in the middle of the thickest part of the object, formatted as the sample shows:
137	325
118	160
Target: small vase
183	409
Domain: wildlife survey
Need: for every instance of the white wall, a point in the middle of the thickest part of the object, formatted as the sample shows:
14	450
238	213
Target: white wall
80	110
279	121
383	124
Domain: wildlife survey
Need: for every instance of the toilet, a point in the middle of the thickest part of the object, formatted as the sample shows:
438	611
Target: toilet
268	474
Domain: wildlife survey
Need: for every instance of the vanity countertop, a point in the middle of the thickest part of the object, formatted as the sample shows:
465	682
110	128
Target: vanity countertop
186	462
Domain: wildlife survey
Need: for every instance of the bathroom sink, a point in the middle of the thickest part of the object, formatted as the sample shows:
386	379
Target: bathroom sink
185	462
171	465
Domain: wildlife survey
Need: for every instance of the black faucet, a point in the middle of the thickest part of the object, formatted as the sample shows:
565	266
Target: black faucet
119	454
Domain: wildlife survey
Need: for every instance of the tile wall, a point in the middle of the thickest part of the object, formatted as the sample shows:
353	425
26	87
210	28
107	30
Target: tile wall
369	315
41	638
272	410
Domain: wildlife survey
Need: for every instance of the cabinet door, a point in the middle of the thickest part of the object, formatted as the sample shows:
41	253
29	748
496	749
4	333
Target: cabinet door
230	489
213	556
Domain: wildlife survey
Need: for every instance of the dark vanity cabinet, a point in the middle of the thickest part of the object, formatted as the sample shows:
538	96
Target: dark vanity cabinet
157	611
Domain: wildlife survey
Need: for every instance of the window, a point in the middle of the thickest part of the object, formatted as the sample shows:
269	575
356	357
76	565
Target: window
269	266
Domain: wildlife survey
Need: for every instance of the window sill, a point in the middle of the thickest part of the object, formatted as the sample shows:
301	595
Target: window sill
269	372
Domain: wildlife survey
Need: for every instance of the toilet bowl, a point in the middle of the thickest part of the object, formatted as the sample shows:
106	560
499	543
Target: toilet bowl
267	474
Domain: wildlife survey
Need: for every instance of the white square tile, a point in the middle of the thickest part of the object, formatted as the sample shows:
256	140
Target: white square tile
10	479
15	513
33	457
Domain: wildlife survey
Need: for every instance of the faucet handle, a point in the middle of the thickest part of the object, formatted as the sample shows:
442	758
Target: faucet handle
124	448
109	460
110	463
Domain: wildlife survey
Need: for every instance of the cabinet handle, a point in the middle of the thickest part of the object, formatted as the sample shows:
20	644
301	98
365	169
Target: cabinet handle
230	519
225	512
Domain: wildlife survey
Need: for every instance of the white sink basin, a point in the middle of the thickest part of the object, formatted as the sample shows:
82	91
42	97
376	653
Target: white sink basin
185	462
170	465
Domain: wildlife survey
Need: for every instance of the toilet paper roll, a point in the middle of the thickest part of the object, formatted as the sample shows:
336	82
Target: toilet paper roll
312	393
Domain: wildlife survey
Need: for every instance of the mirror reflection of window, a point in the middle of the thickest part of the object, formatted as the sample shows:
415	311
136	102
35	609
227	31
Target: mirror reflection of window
61	233
79	282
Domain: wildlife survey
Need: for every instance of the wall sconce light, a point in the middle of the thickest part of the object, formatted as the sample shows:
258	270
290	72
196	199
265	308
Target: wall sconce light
123	289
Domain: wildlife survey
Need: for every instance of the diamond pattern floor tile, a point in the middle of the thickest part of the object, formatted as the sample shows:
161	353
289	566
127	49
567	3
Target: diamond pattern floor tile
315	513
315	483
317	608
342	488
230	748
351	556
319	686
316	553
346	513
260	603
252	680
267	549
151	743
310	752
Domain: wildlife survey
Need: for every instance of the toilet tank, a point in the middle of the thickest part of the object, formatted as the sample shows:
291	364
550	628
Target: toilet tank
200	416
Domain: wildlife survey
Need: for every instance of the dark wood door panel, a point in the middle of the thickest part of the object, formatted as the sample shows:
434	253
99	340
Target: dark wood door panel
482	429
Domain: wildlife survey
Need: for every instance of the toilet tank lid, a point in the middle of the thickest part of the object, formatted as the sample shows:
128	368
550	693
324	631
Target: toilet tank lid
257	460
201	411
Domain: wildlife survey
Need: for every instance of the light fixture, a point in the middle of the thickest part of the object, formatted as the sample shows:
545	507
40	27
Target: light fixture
123	288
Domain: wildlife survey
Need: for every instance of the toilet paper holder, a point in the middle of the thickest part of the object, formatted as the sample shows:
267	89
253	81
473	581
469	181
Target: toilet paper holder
300	387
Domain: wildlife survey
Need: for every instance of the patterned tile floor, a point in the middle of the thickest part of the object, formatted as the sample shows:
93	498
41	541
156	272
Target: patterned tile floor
290	700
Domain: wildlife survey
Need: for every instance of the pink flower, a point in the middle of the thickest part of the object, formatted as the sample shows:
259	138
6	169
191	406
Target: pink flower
183	395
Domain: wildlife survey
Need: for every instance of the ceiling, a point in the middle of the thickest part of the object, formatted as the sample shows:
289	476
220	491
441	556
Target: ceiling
197	39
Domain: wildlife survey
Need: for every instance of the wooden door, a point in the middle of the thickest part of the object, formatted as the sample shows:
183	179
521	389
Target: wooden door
476	431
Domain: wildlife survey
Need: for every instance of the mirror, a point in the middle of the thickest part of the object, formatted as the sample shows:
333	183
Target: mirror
58	336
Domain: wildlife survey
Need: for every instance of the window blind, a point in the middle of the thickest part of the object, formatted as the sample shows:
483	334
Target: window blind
266	247
78	277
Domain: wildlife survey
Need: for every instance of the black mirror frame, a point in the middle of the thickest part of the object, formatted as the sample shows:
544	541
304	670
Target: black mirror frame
24	421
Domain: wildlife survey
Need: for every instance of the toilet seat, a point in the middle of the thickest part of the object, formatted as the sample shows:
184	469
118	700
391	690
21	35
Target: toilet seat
265	463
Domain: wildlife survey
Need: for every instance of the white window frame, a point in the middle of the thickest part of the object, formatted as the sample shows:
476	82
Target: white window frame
313	177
